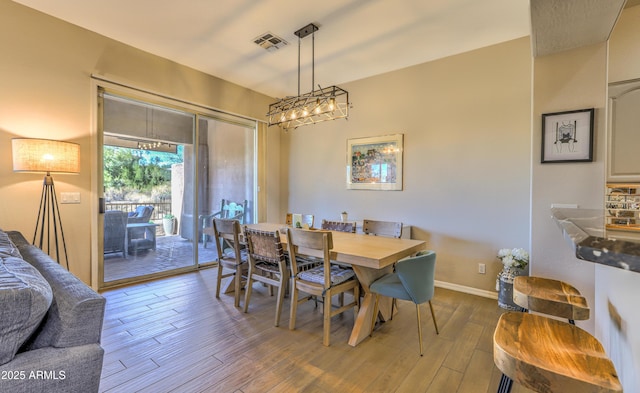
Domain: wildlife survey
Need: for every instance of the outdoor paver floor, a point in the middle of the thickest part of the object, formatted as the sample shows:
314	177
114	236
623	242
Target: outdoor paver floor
171	252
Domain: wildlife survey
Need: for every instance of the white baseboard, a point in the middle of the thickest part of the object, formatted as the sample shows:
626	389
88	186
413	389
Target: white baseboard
465	289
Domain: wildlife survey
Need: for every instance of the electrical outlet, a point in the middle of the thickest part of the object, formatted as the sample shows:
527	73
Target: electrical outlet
482	268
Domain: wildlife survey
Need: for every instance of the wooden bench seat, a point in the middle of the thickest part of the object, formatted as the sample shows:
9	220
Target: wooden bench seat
548	296
548	355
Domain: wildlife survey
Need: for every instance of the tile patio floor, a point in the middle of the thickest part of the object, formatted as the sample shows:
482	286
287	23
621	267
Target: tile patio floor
171	252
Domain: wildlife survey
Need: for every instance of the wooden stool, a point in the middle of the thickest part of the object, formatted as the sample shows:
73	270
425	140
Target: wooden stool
547	355
551	297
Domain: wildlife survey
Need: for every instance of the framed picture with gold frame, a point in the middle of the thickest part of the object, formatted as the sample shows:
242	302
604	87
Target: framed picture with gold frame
375	163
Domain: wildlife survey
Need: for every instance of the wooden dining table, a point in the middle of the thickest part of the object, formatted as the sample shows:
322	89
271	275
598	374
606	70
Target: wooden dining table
371	257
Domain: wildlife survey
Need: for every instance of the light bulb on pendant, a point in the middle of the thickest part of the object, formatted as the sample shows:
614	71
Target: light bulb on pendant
293	114
317	109
332	103
305	112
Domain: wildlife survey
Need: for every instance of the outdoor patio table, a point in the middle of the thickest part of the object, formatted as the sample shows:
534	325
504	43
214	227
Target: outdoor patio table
148	242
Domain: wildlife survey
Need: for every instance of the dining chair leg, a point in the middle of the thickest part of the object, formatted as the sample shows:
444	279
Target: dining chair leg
238	285
433	316
294	306
219	280
419	327
326	318
272	276
247	294
281	291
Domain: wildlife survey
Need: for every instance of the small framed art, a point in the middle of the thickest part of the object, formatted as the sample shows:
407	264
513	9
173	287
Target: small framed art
567	136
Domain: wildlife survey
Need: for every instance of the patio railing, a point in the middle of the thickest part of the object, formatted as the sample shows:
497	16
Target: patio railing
159	208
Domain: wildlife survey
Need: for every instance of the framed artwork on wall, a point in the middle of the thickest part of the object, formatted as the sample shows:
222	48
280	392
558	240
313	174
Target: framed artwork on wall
567	136
375	163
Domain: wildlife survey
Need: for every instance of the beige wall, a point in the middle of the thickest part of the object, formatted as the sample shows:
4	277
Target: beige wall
618	290
45	92
466	122
567	81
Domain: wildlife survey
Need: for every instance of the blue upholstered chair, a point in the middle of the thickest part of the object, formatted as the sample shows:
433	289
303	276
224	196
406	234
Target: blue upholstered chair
413	280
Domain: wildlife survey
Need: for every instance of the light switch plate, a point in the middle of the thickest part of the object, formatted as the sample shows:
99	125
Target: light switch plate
70	197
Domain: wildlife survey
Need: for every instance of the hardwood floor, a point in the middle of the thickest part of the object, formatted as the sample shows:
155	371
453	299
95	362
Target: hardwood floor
173	335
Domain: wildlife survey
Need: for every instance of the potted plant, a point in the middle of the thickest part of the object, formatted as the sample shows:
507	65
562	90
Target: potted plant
514	263
168	222
344	216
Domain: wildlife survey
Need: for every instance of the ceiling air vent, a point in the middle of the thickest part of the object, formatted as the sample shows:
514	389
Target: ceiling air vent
270	42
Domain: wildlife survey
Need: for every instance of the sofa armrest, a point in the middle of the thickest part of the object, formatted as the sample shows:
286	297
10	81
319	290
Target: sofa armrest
77	311
75	369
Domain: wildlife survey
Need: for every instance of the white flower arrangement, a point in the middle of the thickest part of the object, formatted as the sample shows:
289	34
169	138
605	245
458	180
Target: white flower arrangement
514	257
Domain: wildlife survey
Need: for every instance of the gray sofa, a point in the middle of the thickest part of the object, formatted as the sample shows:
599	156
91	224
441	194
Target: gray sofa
50	323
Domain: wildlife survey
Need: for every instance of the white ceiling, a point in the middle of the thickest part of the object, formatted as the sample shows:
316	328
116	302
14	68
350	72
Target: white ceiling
357	38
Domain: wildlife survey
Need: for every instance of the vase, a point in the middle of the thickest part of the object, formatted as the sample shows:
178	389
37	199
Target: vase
504	285
167	225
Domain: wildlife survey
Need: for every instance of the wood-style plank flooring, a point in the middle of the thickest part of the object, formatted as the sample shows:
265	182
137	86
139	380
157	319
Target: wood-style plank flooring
173	335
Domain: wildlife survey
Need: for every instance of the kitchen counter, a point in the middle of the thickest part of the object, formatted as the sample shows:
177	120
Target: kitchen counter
584	229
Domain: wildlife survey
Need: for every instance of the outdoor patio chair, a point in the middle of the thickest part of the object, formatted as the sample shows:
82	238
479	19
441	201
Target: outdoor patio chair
115	226
141	215
228	210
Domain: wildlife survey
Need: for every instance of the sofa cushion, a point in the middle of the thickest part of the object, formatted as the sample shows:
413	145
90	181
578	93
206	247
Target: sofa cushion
7	248
25	297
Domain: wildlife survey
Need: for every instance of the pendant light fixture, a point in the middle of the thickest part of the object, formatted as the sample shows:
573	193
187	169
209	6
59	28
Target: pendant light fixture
328	103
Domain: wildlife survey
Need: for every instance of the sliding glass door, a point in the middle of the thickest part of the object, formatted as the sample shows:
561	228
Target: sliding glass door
226	175
162	188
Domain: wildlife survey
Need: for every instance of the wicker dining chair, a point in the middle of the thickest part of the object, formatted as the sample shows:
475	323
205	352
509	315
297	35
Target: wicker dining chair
323	281
382	228
267	264
231	254
339	226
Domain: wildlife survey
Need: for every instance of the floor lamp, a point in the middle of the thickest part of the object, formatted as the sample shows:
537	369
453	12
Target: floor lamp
48	156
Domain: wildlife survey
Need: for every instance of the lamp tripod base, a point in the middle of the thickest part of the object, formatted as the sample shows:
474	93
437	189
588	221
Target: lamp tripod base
48	219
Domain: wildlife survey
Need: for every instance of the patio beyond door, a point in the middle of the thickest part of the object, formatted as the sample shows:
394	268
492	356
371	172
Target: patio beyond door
159	186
